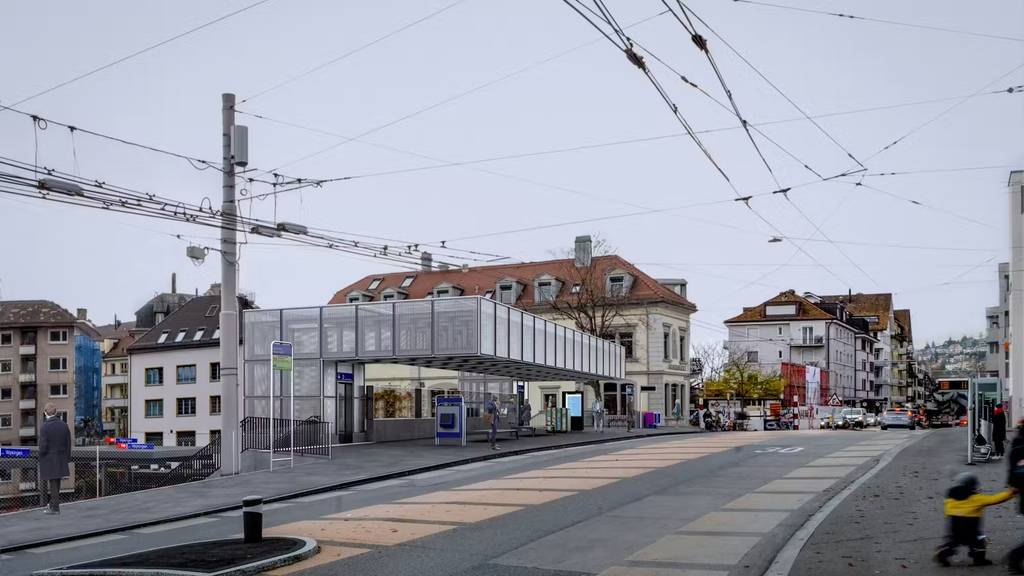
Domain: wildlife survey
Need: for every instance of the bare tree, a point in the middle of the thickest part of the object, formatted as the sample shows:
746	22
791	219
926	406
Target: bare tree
591	306
712	358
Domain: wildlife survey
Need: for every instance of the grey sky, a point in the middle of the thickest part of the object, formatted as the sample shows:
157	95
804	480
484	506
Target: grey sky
170	97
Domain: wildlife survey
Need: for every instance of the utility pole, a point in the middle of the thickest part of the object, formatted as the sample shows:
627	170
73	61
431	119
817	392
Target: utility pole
229	446
1016	300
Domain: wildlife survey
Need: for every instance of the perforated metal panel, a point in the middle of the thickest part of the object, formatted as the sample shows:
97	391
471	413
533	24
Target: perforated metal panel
301	327
515	334
339	331
501	331
375	323
456	326
261	328
487	327
413	321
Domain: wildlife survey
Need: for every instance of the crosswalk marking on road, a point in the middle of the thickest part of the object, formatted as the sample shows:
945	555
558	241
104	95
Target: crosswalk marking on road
373	532
736	522
755	501
821	472
831	461
324	496
511	497
697	549
593	473
539	484
447	513
174	525
797	485
646	571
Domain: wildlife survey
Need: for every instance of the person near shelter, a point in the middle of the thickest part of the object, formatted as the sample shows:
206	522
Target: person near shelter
492	411
54	455
998	430
964	507
598	410
525	413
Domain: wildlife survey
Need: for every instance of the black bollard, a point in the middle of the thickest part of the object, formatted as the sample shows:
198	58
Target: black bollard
252	519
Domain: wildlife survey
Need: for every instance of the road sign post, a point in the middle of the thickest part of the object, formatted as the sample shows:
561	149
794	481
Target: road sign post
282	360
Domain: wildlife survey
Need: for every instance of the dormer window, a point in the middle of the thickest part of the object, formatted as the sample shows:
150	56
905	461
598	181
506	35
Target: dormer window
407	281
446	290
442	293
618	283
358	296
545	291
393	294
576	288
375	283
489	294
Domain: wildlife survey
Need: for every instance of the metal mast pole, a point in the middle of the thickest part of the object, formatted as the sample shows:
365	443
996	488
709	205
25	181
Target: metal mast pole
228	299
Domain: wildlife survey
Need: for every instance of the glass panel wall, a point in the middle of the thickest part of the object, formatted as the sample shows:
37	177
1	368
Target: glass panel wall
455	326
528	337
413	320
501	331
339	331
375	323
261	328
302	328
550	344
515	334
487	326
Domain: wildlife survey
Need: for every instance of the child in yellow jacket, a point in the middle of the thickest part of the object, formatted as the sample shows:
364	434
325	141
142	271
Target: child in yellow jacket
964	507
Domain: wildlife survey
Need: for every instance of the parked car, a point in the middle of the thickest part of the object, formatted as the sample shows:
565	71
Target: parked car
872	419
853	418
830	419
897	418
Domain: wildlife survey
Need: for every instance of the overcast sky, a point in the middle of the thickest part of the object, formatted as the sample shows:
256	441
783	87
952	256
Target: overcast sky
938	258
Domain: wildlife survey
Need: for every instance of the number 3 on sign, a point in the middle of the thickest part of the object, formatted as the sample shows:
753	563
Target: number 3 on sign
779	449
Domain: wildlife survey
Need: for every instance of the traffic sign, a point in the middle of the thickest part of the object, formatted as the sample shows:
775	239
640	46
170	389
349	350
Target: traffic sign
138	446
834	400
126	440
15	452
281	355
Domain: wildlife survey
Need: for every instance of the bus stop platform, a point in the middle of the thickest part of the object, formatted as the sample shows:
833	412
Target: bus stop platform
351	465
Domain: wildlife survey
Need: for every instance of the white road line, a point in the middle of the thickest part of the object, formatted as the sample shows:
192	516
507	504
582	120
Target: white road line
381	484
324	496
786	557
230	513
275	506
174	525
74	544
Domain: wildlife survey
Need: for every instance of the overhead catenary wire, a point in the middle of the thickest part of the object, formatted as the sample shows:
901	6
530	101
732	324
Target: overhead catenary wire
883	21
140	52
295	78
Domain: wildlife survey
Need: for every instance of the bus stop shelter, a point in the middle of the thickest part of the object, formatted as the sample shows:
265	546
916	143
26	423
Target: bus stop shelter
333	344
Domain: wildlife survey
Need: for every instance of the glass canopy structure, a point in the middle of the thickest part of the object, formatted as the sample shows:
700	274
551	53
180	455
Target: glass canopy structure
468	334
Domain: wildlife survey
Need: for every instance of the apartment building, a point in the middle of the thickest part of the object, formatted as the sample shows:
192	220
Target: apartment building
115	382
997	329
174	389
43	347
904	366
878	311
650	318
799	329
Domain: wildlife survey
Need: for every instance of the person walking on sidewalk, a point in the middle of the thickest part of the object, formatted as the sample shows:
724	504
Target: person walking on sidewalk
598	409
964	507
54	454
1015	462
491	413
998	430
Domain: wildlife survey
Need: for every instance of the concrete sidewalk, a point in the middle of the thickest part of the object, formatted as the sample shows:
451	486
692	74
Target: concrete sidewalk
352	465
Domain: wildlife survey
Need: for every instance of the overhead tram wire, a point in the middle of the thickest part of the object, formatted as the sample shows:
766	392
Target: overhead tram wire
622	142
883	21
775	87
626	47
352	52
141	51
920	204
458	96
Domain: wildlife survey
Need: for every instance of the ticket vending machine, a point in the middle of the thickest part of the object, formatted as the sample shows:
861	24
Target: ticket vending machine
449	420
573	402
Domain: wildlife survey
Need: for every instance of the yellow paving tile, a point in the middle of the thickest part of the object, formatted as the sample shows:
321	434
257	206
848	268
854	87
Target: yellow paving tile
647	571
628	457
570	473
379	532
327	555
684	451
830	461
617	464
539	484
798	485
514	497
733	521
458	513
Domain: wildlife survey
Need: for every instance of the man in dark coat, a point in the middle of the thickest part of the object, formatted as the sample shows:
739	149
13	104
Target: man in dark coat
998	430
1015	462
54	454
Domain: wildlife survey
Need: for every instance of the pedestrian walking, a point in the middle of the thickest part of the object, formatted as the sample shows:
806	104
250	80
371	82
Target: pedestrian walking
964	507
54	454
526	413
998	431
491	414
677	410
598	410
1015	461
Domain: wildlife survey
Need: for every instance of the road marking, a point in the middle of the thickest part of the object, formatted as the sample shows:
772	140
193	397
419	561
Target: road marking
455	513
644	571
328	554
324	496
796	485
617	464
786	557
174	525
74	544
473	465
539	484
633	457
695	549
756	501
513	497
736	522
379	532
569	473
230	513
831	461
431	474
858	454
381	484
275	506
821	472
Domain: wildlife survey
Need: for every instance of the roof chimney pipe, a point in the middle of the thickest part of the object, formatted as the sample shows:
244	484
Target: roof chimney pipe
174	282
584	251
82	314
426	262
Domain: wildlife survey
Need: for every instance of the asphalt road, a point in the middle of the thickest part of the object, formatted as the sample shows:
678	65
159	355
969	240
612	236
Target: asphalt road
893	523
708	505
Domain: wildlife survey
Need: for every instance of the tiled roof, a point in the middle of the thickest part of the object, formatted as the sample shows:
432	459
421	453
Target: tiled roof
805	310
115	331
33	312
903	317
126	339
879	305
478	280
201	312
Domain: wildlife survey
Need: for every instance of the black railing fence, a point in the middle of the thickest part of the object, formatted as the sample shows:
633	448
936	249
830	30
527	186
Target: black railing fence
312	435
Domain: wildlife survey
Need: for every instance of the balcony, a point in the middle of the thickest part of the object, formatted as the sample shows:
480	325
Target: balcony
881	363
27	404
27	350
27	378
812	341
27	432
115	402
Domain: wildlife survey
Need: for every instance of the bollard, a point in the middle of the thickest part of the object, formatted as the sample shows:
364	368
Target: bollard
252	519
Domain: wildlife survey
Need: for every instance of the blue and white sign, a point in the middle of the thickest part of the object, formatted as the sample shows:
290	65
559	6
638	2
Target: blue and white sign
449	419
137	446
344	377
15	453
126	440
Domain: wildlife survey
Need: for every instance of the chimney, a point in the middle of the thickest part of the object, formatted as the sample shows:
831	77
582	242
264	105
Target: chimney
174	282
82	314
584	251
442	266
426	262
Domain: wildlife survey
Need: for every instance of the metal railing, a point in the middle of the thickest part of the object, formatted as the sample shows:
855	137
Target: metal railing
199	466
312	435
